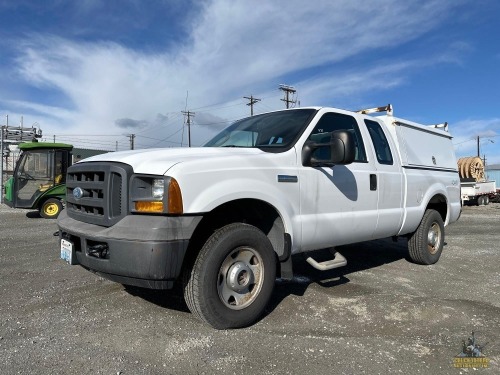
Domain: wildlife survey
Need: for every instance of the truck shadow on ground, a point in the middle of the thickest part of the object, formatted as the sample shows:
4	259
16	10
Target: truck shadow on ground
170	299
361	256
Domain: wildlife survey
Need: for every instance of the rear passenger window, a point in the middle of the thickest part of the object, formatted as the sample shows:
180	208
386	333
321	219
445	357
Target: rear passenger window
330	122
382	149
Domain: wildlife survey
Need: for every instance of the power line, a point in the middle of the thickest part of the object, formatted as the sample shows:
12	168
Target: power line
85	141
170	136
152	127
85	135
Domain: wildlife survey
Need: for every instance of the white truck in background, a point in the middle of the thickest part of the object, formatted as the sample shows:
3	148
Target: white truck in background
225	219
474	187
477	193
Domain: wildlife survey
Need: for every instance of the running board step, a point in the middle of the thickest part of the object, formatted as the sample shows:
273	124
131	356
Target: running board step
336	262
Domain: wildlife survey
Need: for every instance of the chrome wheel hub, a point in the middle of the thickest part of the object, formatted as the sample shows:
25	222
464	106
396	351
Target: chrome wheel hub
434	238
240	278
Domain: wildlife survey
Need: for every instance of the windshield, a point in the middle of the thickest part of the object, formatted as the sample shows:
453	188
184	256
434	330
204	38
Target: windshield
275	130
35	164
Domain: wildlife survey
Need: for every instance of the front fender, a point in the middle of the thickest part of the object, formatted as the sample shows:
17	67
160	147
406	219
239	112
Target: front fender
58	191
284	197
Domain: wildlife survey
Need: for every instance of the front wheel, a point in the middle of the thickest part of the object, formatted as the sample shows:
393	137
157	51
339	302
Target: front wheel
51	208
232	278
426	243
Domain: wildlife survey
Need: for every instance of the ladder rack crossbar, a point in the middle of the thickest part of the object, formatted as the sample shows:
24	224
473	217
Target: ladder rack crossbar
388	108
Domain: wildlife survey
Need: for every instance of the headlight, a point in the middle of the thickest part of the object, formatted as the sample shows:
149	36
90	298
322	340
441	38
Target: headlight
151	194
158	188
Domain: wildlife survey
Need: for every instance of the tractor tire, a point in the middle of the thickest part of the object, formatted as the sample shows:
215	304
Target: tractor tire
51	208
232	278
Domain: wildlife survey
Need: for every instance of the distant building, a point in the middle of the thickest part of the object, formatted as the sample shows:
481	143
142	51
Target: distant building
493	173
83	153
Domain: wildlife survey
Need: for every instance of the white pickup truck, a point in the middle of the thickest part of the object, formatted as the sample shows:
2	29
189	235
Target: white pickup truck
224	219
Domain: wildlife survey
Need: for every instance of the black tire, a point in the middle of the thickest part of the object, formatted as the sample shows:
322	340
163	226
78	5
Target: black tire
232	278
486	200
51	208
425	245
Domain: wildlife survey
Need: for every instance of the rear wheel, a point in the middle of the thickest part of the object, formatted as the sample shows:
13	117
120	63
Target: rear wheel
51	208
232	278
486	200
426	243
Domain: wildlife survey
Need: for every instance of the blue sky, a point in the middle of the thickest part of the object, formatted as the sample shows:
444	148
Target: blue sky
90	72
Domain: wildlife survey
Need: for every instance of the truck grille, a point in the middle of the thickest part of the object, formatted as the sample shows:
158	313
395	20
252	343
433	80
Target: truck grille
96	193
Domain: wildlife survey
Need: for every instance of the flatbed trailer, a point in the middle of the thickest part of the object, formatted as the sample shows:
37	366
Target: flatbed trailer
478	193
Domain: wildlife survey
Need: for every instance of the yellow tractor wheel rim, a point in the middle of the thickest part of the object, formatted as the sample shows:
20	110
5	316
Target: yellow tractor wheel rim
51	209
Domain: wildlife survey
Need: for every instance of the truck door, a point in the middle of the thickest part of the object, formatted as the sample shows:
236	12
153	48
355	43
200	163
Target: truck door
389	182
338	204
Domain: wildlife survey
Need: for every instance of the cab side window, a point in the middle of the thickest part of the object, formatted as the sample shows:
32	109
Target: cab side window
330	122
382	149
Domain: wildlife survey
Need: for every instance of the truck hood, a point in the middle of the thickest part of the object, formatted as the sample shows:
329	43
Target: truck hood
160	160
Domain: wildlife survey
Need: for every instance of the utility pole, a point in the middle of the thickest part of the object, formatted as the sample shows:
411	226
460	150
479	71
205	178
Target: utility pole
1	162
478	150
288	90
132	137
188	122
1	156
252	102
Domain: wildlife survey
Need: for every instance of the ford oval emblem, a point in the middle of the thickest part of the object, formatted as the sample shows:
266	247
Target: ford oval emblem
78	193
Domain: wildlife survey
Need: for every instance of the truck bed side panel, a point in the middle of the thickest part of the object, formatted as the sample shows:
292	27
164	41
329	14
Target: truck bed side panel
429	164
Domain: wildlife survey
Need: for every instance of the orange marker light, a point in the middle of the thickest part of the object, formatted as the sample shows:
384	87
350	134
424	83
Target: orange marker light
149	206
174	198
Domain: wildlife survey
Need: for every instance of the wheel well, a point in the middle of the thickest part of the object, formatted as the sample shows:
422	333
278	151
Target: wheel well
250	211
438	203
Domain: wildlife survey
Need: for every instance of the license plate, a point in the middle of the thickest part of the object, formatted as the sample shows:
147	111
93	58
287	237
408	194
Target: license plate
68	252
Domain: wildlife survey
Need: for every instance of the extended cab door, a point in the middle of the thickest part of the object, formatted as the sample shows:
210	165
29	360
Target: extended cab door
338	204
389	178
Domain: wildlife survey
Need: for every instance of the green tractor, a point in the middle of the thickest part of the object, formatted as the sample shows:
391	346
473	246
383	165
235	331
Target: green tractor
39	178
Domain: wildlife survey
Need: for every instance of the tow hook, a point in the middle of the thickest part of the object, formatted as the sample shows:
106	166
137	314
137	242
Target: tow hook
98	251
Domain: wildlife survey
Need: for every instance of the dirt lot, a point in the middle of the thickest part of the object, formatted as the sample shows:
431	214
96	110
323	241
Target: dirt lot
380	314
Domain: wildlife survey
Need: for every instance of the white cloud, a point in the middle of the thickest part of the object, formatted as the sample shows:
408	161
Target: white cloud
234	49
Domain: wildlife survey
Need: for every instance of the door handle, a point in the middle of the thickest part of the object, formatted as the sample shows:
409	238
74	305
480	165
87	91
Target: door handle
373	182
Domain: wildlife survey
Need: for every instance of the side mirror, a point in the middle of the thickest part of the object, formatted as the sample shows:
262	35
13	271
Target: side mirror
342	150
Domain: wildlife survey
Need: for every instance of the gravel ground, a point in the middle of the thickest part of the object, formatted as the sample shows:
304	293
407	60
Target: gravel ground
380	314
